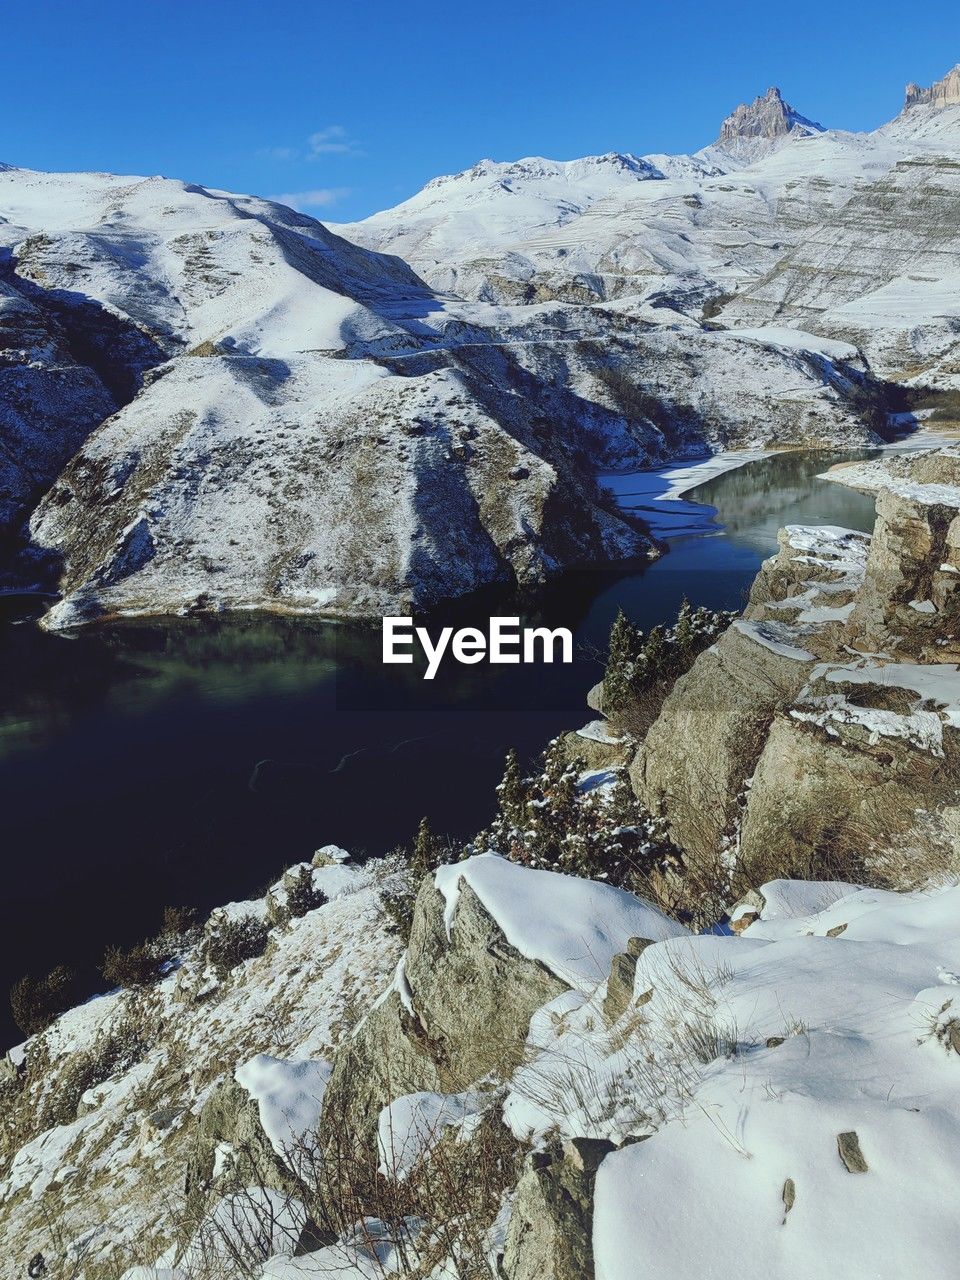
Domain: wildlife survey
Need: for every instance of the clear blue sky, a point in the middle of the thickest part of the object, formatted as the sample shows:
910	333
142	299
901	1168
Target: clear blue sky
361	103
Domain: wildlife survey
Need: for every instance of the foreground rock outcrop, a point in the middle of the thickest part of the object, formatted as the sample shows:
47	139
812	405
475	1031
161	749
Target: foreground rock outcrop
824	724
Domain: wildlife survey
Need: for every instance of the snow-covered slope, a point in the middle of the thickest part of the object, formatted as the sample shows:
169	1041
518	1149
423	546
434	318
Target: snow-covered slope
263	433
262	413
108	1167
854	236
293	422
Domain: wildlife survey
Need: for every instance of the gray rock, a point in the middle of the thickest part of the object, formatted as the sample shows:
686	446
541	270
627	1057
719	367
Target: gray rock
824	797
232	1117
637	946
709	735
911	541
595	698
331	855
848	1145
595	754
550	1236
10	1071
472	994
158	1125
789	1195
619	997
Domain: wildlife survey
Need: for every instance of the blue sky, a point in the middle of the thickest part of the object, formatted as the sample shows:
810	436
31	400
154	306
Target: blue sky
347	109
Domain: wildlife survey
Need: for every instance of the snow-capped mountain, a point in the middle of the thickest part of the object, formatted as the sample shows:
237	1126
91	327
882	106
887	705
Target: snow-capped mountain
758	128
726	223
213	402
210	401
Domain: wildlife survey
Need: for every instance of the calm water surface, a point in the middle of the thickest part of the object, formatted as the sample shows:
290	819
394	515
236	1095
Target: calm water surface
189	762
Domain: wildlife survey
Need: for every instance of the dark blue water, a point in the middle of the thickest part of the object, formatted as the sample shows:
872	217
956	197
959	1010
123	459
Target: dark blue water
188	763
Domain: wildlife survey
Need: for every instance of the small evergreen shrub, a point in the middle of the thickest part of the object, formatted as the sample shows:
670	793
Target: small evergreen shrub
643	667
178	922
549	820
302	896
135	966
407	868
234	940
36	1002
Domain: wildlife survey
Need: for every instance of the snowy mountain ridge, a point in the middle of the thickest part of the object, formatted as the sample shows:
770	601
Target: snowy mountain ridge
209	401
721	224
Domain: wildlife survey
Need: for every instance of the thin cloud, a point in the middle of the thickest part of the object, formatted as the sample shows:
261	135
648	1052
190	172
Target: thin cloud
332	141
320	198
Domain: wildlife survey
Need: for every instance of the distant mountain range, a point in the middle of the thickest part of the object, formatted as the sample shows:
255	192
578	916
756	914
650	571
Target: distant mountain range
209	401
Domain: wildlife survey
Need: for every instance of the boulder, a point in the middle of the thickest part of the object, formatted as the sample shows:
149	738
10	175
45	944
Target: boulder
910	602
550	1236
813	578
842	778
10	1071
848	1147
595	698
704	745
598	746
620	981
158	1126
230	1122
331	855
459	1010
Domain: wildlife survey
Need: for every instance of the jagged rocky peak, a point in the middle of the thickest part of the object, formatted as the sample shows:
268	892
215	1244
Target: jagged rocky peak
943	93
767	117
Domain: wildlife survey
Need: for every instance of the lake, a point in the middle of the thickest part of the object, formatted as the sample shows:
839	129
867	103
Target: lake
189	762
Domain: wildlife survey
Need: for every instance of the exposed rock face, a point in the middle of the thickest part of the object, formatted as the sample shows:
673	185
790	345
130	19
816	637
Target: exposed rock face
702	747
426	1035
230	1124
597	748
767	116
942	93
49	404
551	1225
910	599
839	790
824	725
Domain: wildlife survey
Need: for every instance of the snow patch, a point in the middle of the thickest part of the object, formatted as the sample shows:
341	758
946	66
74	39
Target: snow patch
574	927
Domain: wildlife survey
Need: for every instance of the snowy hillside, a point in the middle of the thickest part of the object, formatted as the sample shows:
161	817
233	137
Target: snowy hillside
771	216
214	402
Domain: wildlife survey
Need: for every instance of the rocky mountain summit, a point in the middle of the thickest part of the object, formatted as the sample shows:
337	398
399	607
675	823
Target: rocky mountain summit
852	236
488	1067
768	119
942	93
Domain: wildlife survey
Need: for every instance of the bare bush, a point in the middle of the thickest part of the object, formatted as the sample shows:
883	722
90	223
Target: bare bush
36	1002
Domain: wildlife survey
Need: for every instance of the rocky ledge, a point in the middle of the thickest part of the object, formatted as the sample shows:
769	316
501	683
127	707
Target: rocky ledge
824	724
